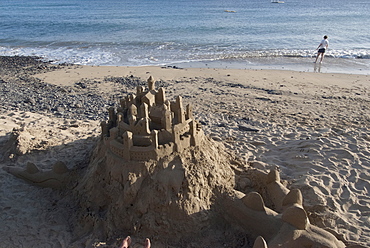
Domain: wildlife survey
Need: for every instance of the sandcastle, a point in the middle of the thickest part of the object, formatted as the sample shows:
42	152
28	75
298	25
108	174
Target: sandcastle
155	169
147	126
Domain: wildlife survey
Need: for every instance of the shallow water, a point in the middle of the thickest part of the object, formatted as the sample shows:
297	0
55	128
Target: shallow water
126	32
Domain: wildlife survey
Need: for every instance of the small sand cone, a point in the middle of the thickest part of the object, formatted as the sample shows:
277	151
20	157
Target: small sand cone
273	176
296	216
276	190
260	243
254	201
293	197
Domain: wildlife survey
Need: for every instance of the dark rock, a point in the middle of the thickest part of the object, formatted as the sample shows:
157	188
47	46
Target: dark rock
247	129
203	123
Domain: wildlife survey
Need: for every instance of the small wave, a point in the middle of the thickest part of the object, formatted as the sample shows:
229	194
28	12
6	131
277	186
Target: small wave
82	56
135	55
300	54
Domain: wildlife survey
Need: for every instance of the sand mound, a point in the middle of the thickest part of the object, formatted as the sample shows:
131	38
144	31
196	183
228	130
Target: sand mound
154	169
169	199
189	196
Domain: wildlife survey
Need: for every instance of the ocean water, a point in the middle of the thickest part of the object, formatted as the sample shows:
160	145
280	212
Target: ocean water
217	33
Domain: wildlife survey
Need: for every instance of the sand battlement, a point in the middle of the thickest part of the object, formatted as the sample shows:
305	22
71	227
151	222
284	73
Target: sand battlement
148	126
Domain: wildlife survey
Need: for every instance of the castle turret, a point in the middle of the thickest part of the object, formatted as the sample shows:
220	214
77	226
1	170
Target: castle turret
179	111
132	113
119	117
123	103
112	117
189	112
151	83
113	133
178	103
194	139
155	139
104	129
160	97
127	144
130	99
132	120
132	110
144	113
166	120
139	90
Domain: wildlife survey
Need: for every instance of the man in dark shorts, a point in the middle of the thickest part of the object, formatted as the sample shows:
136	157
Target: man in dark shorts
324	44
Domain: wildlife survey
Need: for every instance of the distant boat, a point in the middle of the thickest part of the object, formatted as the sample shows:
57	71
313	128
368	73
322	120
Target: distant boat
276	1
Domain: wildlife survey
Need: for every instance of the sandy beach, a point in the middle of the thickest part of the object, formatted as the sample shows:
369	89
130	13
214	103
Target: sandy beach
312	127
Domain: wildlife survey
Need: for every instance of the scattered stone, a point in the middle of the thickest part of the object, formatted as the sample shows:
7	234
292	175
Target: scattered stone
247	129
258	143
215	137
25	93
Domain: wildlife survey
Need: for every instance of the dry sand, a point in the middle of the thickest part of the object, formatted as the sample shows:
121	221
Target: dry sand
313	127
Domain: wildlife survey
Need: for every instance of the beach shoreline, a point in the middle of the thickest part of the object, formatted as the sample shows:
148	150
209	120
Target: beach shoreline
303	64
75	73
312	127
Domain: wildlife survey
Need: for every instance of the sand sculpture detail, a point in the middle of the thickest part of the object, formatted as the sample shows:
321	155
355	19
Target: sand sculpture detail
147	126
155	169
287	227
56	178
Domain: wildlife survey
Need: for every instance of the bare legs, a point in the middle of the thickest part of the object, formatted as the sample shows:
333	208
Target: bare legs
322	57
127	242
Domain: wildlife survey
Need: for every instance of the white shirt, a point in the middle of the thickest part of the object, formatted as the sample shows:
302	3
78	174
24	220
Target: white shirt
324	43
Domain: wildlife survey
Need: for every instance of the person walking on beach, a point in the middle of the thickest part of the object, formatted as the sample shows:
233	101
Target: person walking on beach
324	44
